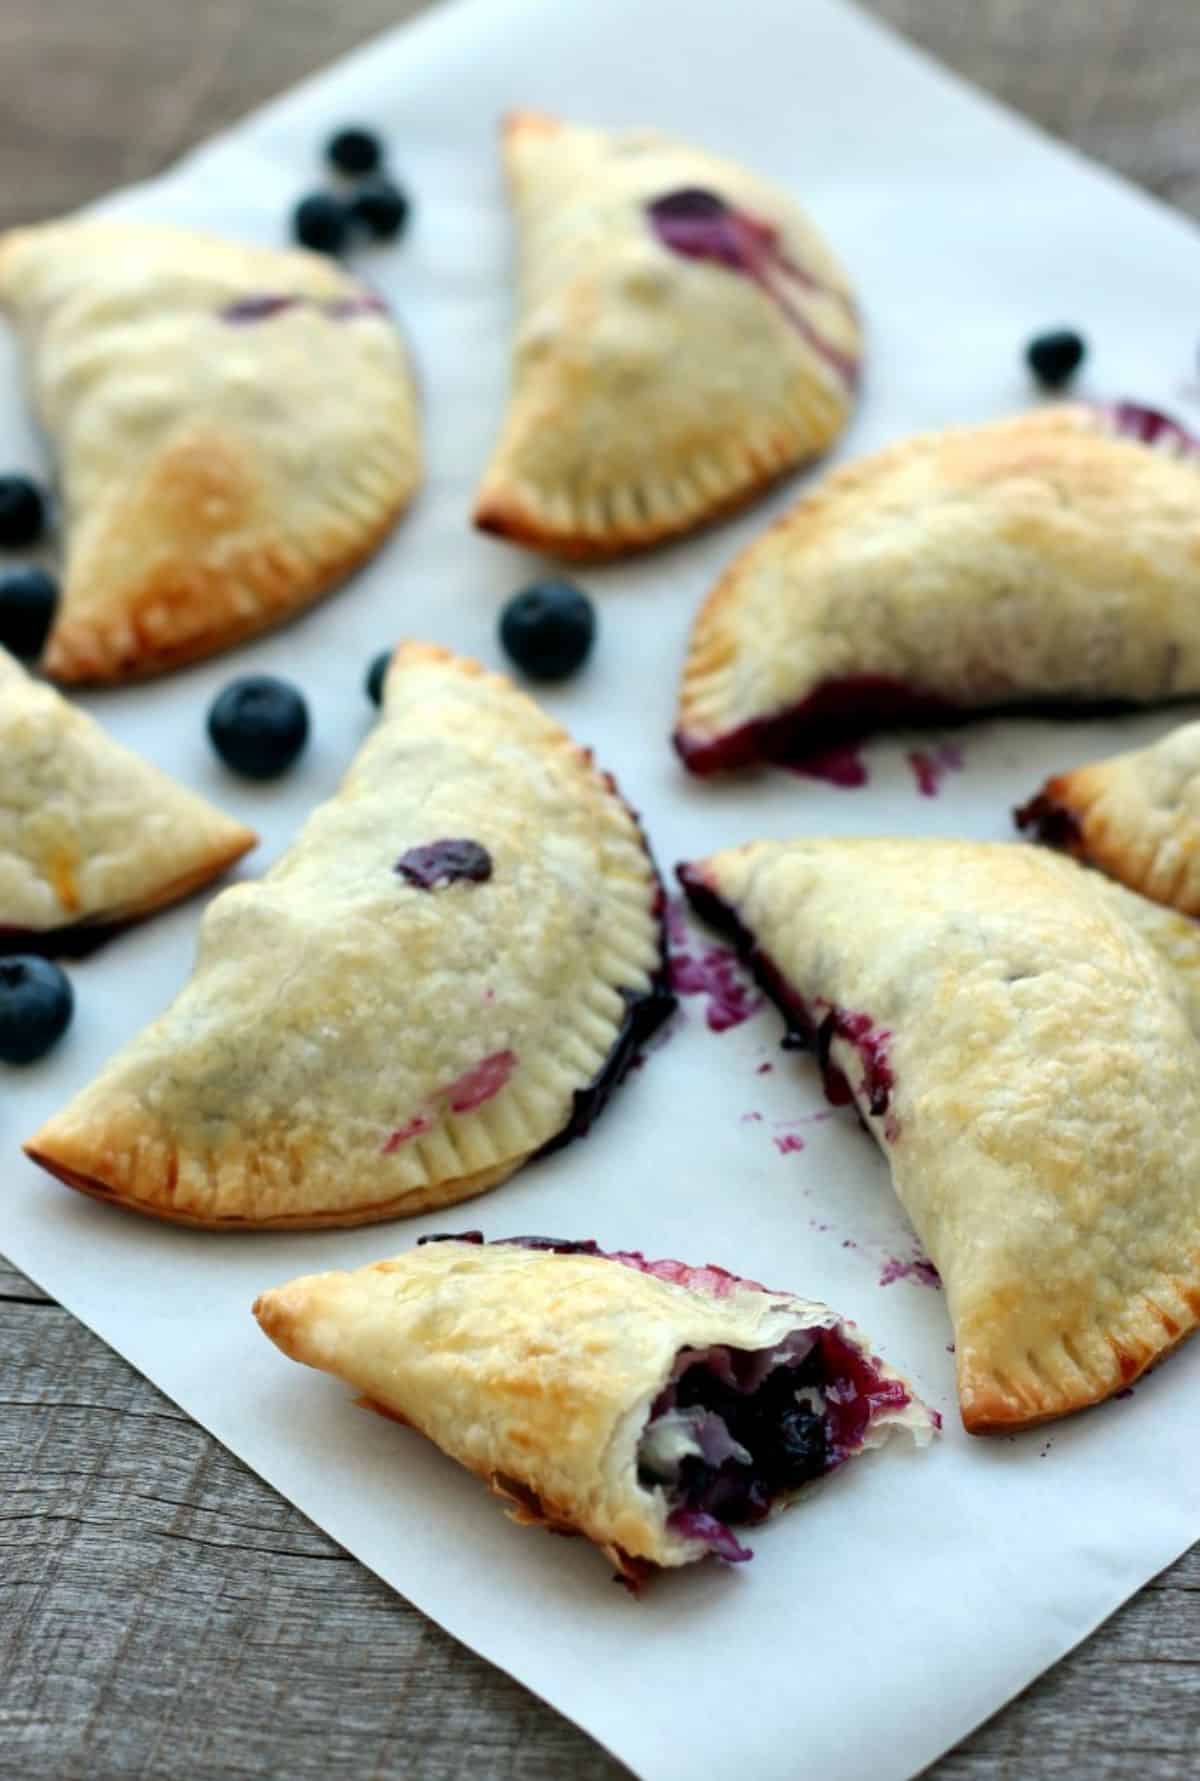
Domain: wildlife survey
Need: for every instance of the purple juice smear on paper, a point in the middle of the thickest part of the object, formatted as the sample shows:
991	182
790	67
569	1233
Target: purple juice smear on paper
842	766
931	765
714	973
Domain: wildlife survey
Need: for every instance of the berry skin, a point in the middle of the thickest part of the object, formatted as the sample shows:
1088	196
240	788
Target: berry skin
548	629
376	675
1054	358
36	1004
354	151
321	222
28	598
258	725
381	208
22	512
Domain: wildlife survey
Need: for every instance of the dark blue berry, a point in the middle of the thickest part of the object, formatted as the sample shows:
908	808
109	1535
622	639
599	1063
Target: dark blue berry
258	725
354	150
1054	358
548	629
321	221
800	1449
381	208
376	675
22	512
28	598
36	1004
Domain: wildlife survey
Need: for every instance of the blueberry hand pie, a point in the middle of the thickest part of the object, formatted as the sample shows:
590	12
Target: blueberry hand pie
1020	1036
1135	815
235	426
649	1405
684	335
445	975
91	836
1052	560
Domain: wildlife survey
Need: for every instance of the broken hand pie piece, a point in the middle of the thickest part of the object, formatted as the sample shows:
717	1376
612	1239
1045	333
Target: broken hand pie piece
235	425
1134	815
1052	560
446	974
684	336
647	1404
91	836
1020	1037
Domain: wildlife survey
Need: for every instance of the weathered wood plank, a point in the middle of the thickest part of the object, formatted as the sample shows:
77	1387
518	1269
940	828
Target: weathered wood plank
163	1612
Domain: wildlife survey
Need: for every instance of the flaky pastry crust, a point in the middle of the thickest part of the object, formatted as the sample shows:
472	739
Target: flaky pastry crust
654	389
1022	1039
362	1039
236	428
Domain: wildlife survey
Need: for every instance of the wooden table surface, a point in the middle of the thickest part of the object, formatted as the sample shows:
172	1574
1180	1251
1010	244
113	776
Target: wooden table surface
165	1614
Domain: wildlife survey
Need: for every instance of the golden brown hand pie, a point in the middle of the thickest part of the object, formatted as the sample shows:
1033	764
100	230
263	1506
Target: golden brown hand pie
1021	1038
446	974
1135	815
91	836
1051	560
684	336
235	425
647	1404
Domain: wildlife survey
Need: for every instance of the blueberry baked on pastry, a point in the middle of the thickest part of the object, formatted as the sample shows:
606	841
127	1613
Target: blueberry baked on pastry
446	974
235	426
91	836
1052	560
1020	1036
1135	815
650	1405
684	335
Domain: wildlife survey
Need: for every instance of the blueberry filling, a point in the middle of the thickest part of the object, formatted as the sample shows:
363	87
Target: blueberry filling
733	1432
699	225
263	306
442	862
1049	822
1134	420
809	1026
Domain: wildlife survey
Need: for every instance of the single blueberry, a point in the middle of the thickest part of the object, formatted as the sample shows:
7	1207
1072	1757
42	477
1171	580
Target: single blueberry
22	512
548	629
1055	357
28	598
258	725
354	150
800	1447
36	1004
381	207
376	675
321	222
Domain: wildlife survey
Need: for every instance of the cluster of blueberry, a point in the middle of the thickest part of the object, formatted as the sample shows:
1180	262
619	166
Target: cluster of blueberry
786	1440
28	595
372	205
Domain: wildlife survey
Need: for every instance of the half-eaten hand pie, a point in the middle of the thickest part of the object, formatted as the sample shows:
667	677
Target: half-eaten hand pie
684	336
91	835
235	425
1135	815
445	975
1051	561
1020	1037
650	1405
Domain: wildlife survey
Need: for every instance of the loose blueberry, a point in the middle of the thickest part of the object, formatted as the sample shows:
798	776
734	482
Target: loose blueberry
381	207
548	629
22	512
28	597
258	725
376	675
36	1004
354	150
1055	357
322	222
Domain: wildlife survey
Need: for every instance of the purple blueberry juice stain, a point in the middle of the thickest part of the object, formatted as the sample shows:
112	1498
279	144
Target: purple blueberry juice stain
698	224
444	862
481	1082
918	1269
842	766
750	1119
264	306
714	973
1150	426
930	766
788	1143
420	1122
764	1069
257	308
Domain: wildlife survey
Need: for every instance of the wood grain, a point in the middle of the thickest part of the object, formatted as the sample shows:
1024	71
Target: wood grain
163	1613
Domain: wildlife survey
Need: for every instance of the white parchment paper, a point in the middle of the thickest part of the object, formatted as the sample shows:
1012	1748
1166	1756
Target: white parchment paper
915	1593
